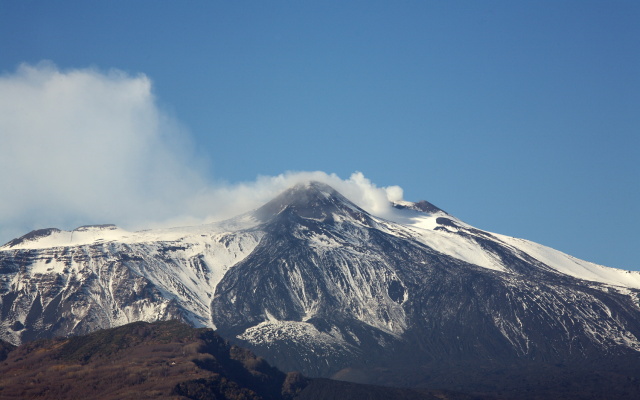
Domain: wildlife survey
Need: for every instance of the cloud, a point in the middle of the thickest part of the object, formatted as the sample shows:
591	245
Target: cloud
85	146
242	197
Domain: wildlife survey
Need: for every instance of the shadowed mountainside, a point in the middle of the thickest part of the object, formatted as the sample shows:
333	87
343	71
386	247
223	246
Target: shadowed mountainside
168	360
5	348
172	360
142	360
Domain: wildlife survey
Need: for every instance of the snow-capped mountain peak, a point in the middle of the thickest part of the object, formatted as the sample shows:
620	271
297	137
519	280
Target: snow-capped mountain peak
311	200
313	282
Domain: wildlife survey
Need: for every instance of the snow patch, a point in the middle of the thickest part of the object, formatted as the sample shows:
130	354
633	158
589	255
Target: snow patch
299	332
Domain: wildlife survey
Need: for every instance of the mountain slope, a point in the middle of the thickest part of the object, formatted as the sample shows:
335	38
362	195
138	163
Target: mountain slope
338	281
167	359
312	282
141	360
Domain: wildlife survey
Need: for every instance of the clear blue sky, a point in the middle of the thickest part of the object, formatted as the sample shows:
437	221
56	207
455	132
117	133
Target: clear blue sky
518	117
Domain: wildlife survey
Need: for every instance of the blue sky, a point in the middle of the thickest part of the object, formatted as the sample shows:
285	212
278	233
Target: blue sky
517	117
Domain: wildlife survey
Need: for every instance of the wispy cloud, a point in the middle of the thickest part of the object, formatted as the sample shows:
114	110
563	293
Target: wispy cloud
85	146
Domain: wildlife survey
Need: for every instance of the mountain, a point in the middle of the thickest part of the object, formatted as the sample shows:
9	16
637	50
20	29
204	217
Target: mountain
312	282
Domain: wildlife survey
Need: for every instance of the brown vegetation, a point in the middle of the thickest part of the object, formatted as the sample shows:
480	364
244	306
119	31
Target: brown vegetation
165	360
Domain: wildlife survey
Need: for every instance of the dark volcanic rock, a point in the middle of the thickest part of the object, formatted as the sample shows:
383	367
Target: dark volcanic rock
5	349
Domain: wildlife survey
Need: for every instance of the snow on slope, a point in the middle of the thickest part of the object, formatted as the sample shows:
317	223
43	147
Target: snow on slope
446	241
407	221
572	266
185	264
96	234
422	226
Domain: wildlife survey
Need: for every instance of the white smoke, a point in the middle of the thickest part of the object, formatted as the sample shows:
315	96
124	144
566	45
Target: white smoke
88	147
